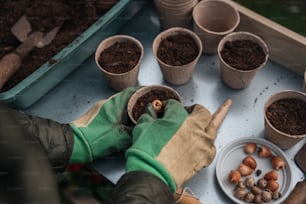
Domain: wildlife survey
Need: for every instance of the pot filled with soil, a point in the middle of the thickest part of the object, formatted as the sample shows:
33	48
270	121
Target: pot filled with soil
241	55
119	58
177	51
155	94
285	118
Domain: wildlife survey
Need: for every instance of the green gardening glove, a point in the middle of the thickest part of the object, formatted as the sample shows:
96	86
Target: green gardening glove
102	130
174	147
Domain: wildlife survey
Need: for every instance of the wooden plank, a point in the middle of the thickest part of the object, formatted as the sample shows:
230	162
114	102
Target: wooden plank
286	47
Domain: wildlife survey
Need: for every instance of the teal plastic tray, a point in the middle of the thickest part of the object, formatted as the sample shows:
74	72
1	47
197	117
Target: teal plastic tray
36	85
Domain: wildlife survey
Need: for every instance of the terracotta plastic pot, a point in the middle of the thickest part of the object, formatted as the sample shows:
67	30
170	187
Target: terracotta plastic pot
119	81
282	139
214	19
177	75
169	93
237	78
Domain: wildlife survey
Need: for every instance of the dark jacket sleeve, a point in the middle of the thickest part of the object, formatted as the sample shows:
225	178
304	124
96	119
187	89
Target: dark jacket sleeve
139	187
56	139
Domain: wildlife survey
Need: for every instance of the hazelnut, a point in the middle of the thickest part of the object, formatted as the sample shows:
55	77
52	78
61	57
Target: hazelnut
272	185
234	176
277	162
256	190
264	152
249	197
250	161
271	175
240	193
241	185
250	148
245	170
276	195
266	195
262	183
258	199
249	181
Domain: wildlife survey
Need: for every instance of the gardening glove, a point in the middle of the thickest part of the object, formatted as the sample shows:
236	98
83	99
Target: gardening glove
174	147
103	129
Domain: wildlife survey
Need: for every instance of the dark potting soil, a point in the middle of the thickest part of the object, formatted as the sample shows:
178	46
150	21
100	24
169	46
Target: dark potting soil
120	57
142	102
76	15
288	115
177	50
243	54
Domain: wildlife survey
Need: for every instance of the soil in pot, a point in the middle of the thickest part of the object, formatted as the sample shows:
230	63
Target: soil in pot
288	115
120	57
243	54
143	101
78	15
177	50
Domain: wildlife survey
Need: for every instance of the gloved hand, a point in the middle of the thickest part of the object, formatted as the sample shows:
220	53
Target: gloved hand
102	130
175	147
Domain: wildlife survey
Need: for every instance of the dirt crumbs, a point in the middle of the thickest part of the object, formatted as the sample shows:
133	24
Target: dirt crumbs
143	101
288	115
178	50
76	16
120	57
243	54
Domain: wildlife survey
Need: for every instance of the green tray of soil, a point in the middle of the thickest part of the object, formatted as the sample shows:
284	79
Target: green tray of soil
28	86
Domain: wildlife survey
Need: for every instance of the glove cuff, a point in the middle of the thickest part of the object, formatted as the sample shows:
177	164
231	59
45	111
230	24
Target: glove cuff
138	160
81	152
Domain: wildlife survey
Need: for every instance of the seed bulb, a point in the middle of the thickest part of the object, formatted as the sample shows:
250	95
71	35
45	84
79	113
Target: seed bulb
245	170
277	162
250	161
234	177
250	148
264	152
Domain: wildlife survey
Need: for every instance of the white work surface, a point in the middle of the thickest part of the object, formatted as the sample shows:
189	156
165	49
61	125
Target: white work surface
73	96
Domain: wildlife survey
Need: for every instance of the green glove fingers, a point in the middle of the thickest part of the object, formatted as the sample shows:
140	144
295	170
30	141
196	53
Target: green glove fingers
102	130
149	137
174	147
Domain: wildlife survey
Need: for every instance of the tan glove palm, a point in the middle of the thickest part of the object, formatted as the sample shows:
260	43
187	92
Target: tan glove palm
175	147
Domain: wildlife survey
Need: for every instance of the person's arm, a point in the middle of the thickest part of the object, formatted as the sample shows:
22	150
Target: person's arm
141	187
54	138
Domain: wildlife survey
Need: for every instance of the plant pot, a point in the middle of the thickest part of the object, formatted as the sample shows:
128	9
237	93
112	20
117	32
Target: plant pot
119	58
142	97
241	55
214	19
177	51
285	118
174	13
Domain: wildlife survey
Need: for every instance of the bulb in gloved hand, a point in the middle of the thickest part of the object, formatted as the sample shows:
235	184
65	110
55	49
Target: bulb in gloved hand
157	106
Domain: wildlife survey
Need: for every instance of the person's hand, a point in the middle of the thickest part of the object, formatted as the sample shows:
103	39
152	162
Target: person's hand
174	147
103	129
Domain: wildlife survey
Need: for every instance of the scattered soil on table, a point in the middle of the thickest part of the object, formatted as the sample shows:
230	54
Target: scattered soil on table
120	57
77	16
177	50
142	102
288	115
243	54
